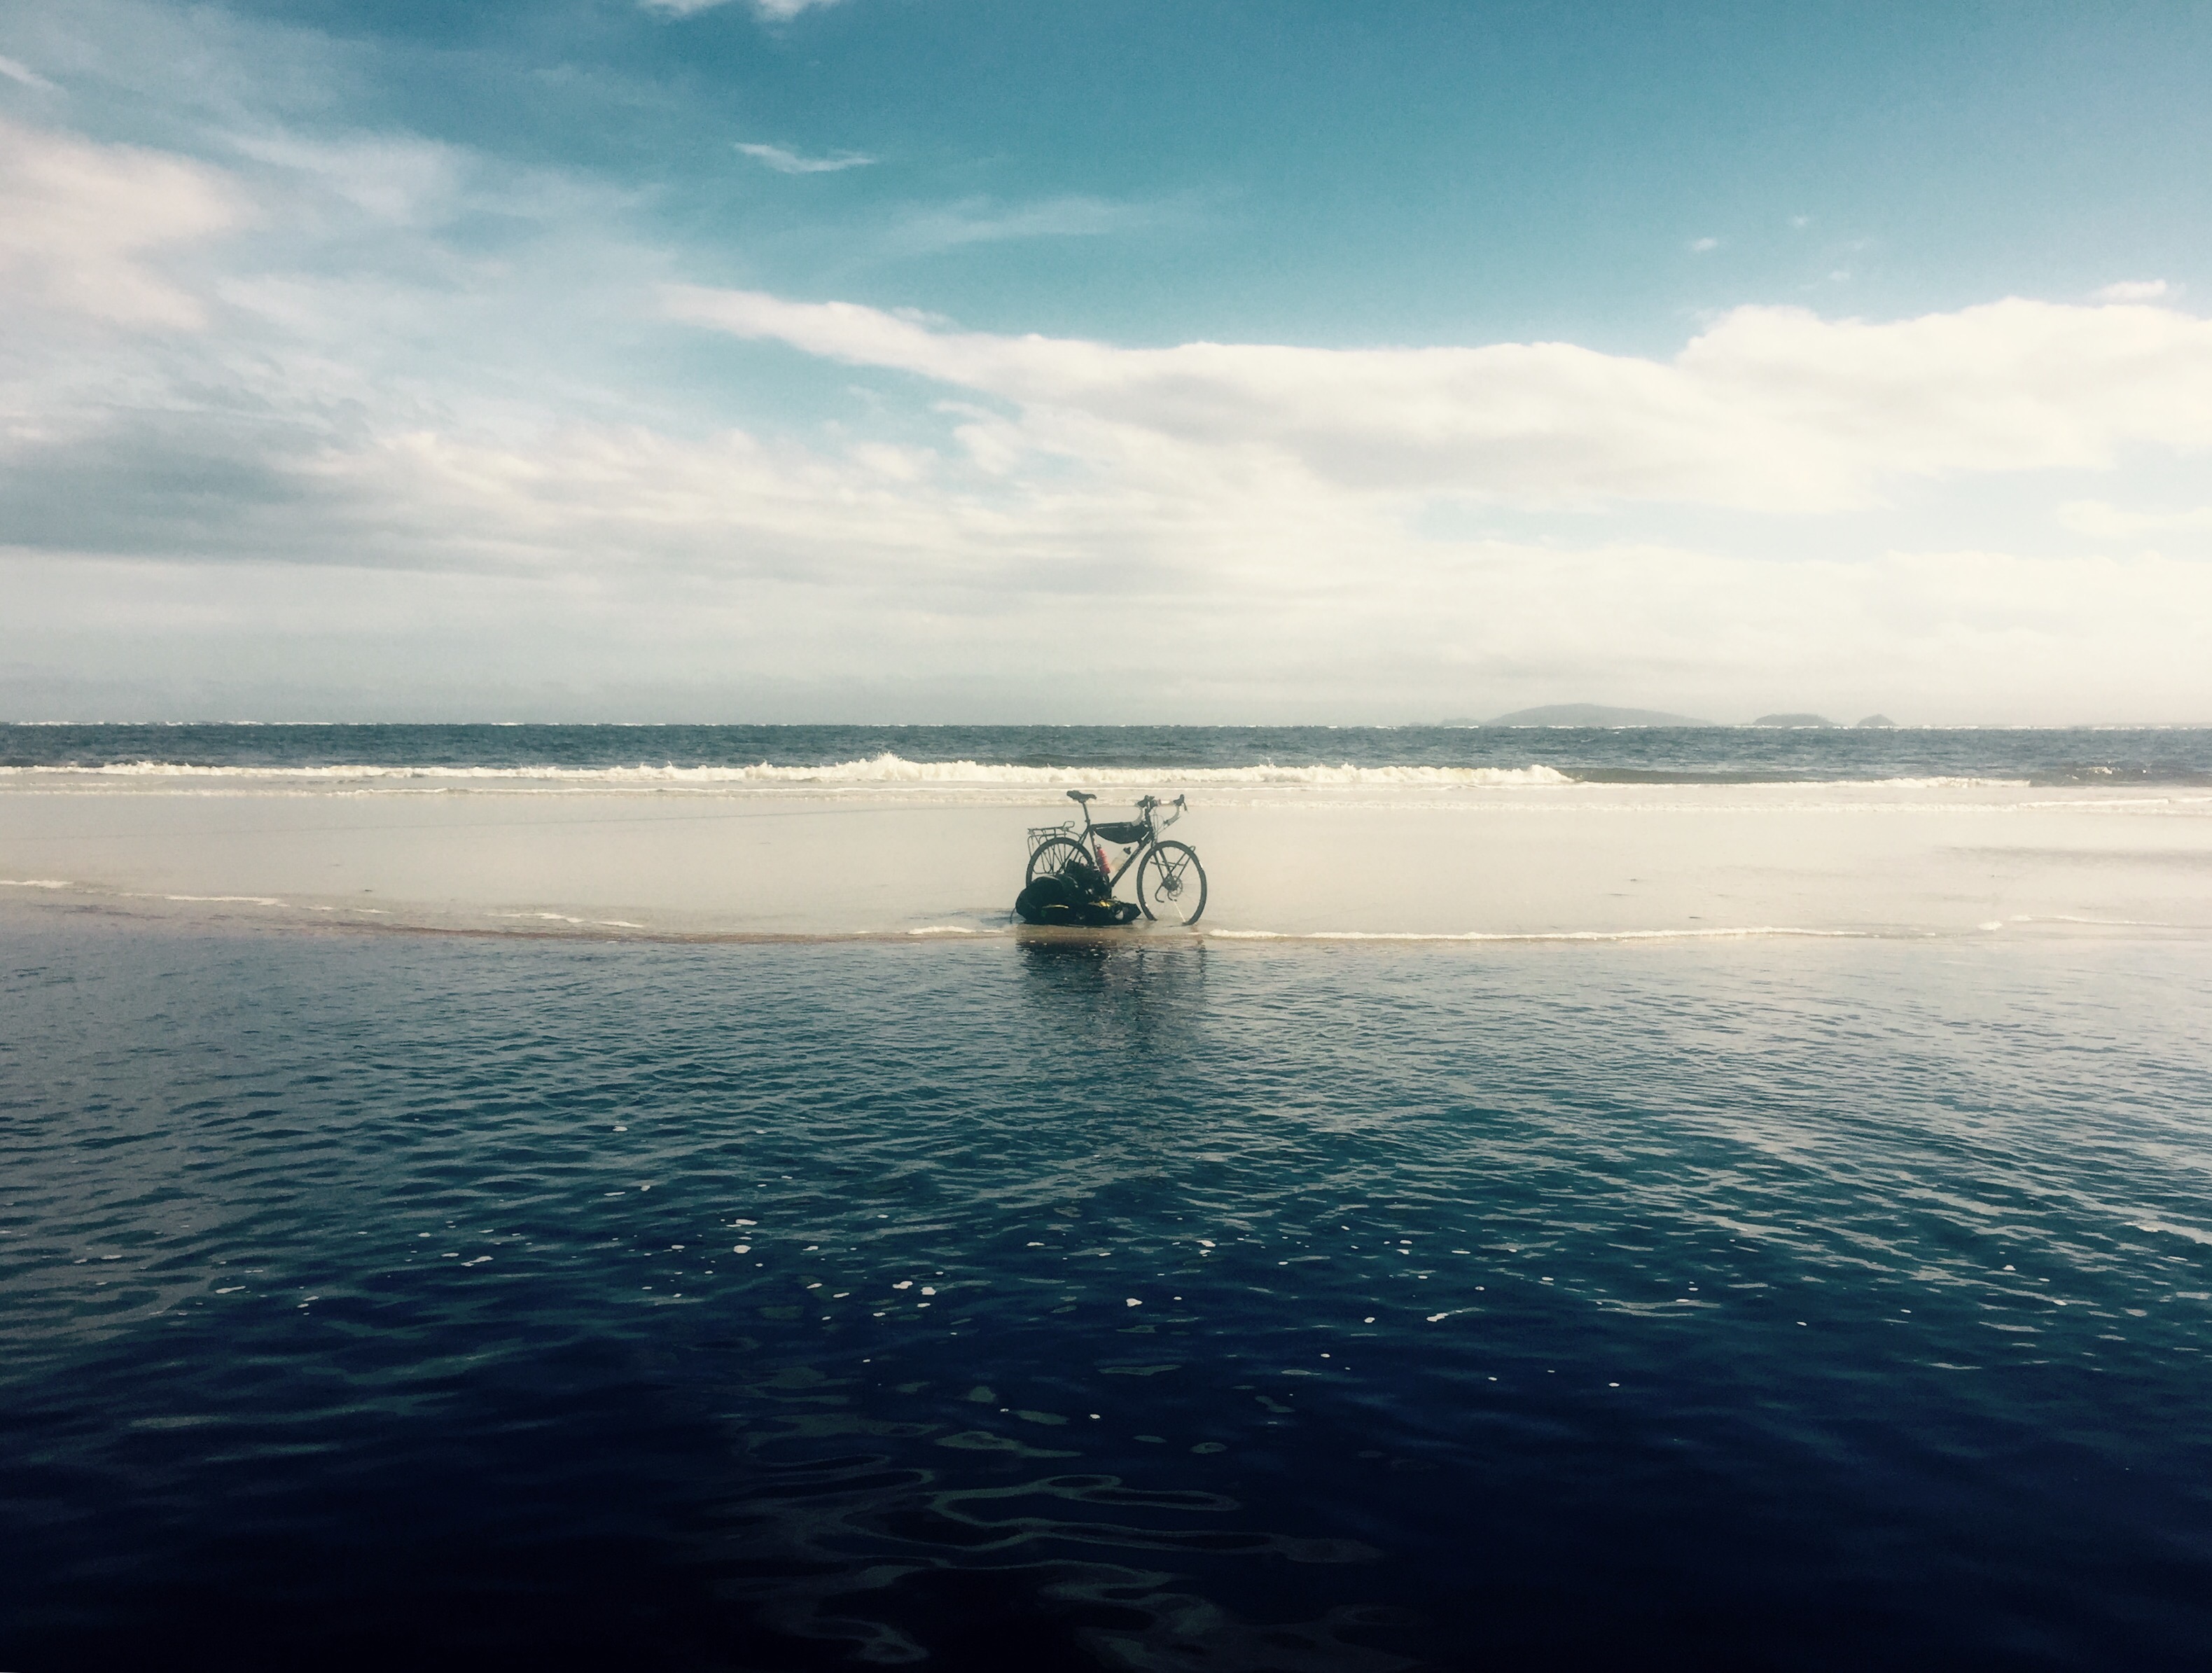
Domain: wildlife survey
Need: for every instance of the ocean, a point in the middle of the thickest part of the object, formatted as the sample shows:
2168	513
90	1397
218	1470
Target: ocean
377	1295
1625	755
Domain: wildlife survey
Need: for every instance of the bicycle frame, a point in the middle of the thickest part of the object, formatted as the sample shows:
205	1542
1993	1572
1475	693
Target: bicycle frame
1149	807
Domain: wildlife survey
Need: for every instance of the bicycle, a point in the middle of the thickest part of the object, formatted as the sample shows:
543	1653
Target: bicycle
1170	883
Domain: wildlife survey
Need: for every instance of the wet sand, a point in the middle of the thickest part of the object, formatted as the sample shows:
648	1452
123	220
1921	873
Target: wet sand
1579	861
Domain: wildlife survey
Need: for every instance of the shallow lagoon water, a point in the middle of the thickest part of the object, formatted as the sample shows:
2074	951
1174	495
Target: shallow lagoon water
375	1300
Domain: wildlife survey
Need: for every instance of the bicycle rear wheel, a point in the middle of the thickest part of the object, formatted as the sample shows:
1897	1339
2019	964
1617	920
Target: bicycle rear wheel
1171	884
1053	856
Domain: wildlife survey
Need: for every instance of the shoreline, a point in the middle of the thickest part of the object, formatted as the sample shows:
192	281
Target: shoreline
144	915
1473	865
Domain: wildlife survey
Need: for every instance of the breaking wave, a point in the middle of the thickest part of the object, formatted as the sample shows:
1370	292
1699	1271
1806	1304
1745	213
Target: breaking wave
885	768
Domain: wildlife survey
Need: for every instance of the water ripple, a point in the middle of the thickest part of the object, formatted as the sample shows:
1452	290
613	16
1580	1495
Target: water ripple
1241	1307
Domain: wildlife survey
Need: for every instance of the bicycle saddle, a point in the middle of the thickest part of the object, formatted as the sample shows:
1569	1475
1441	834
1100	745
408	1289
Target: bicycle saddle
1081	795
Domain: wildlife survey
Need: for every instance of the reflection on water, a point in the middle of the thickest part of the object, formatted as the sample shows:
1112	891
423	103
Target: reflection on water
1116	1304
1120	988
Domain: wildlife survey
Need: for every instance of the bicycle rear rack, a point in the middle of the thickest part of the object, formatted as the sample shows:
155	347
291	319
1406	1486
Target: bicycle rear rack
1045	833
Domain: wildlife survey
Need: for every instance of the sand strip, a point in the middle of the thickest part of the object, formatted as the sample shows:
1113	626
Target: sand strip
943	862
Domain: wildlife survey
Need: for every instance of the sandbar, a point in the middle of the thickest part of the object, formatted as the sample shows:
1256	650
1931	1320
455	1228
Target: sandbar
527	856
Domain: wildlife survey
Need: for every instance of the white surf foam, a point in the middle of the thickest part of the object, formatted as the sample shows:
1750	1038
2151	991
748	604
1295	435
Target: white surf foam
886	768
1929	783
563	917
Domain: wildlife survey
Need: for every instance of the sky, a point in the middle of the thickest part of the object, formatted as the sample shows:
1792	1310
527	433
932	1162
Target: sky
962	361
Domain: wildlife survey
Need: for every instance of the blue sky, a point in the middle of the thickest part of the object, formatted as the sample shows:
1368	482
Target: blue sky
848	361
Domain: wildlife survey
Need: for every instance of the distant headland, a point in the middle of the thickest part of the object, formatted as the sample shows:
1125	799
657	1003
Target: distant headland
1876	721
1605	715
1589	713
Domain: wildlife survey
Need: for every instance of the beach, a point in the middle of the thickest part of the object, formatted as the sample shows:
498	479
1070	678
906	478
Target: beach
694	853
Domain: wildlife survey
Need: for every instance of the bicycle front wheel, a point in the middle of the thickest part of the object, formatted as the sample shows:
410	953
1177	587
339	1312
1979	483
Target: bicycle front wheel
1053	856
1171	884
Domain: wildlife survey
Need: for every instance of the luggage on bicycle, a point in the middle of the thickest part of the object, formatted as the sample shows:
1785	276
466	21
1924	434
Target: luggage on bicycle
1079	896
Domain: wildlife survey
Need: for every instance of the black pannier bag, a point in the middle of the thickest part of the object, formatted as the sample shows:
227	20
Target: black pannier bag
1080	896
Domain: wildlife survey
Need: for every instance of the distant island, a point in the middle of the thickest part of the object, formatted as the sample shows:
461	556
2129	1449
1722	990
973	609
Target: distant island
1876	721
1591	714
1605	715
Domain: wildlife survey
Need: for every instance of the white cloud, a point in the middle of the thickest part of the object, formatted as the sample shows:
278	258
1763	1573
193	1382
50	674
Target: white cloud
338	527
2134	291
769	11
1700	246
2101	521
981	221
80	222
709	580
23	74
790	162
396	180
434	442
1773	409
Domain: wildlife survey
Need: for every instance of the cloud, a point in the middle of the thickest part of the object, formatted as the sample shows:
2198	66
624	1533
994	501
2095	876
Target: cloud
435	441
79	223
981	221
1700	246
2107	522
780	10
1773	409
286	520
769	11
724	580
393	180
22	73
2134	291
790	162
